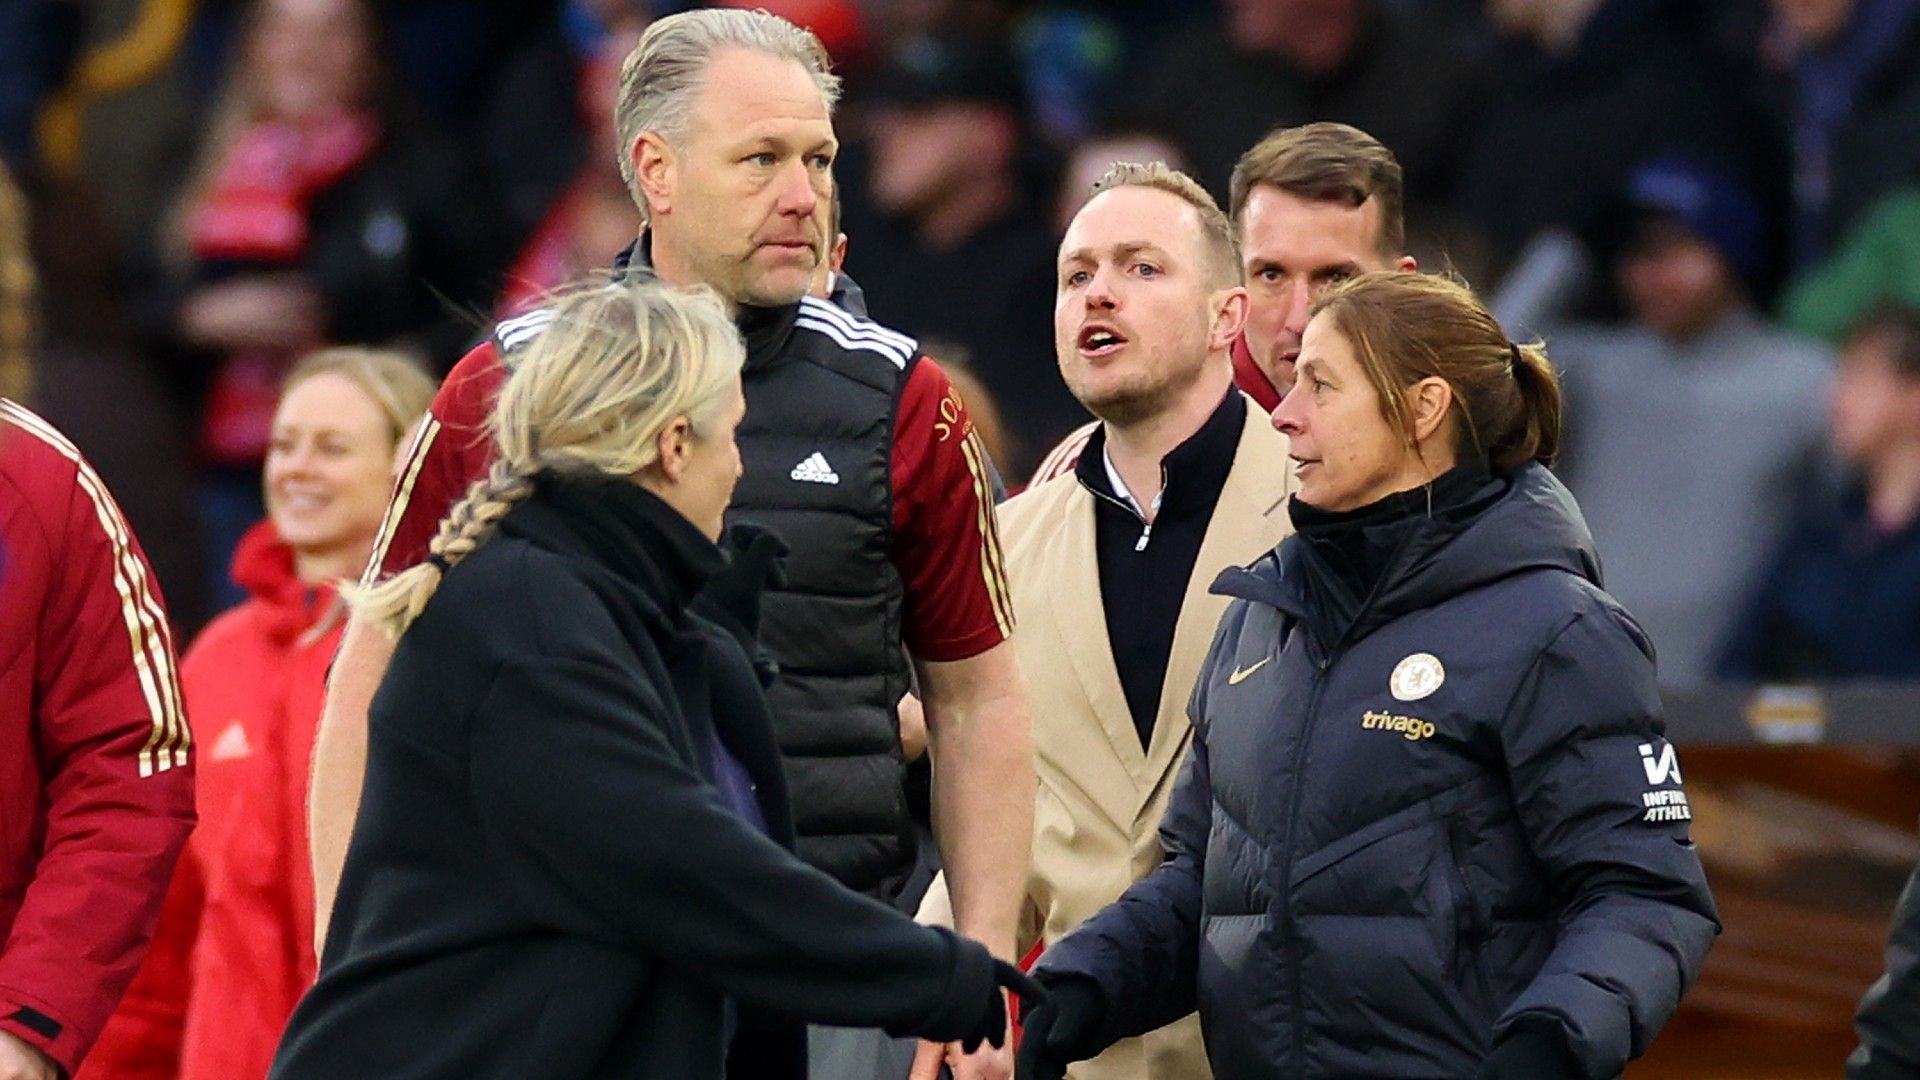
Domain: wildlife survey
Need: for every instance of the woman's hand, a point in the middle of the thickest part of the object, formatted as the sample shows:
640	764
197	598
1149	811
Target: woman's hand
987	1052
280	311
913	728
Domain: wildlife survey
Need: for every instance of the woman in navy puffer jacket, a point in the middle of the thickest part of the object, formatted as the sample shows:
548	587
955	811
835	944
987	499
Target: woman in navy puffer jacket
1429	827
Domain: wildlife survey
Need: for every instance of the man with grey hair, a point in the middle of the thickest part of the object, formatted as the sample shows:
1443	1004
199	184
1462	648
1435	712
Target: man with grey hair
855	450
1111	561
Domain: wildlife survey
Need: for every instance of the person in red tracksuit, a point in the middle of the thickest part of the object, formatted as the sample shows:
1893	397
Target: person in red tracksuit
1310	206
234	950
96	774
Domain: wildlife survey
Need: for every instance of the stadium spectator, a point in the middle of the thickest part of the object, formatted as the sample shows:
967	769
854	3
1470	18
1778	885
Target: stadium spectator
99	387
1846	88
1878	260
594	218
234	950
961	249
1692	430
1582	92
1841	595
1090	159
1399	73
320	211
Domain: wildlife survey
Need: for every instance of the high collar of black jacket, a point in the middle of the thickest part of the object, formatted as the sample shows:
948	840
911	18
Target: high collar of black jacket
1344	574
766	330
625	529
1192	474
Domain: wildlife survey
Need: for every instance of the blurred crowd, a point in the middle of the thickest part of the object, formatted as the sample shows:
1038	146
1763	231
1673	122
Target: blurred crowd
1708	209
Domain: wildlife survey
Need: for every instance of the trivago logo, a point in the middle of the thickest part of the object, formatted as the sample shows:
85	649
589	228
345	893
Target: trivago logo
1410	728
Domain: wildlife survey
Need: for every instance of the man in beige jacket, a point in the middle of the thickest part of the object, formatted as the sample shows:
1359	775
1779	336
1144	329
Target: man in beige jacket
1311	205
1109	564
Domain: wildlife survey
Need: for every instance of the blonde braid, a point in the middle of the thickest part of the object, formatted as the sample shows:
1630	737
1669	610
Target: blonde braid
16	292
393	604
591	396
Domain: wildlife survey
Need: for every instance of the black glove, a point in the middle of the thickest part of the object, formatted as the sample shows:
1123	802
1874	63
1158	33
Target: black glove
1530	1050
992	1028
1063	1030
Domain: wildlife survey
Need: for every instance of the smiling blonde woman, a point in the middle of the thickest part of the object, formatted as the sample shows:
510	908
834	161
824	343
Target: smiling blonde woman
234	950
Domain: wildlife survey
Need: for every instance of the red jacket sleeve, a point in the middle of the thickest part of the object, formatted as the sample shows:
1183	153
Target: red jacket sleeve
448	451
112	745
143	1040
945	545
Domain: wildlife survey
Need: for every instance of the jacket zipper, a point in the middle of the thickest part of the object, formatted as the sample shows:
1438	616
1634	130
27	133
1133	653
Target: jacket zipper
1467	937
1288	936
1146	527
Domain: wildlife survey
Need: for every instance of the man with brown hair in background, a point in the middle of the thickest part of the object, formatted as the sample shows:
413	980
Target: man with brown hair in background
1310	205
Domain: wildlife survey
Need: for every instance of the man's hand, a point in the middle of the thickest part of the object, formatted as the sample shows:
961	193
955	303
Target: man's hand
281	311
913	728
992	1059
986	1063
20	1060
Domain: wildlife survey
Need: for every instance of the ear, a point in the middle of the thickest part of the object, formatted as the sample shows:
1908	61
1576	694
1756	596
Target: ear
655	167
1407	262
675	444
1229	317
1431	399
837	254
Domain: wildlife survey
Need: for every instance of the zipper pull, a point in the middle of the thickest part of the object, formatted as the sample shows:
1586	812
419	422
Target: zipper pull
1146	534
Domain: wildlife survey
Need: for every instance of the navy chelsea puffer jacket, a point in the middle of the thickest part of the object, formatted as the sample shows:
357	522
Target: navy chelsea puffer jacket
1396	838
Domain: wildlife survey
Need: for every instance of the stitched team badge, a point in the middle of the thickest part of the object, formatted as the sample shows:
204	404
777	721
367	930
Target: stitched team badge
1416	677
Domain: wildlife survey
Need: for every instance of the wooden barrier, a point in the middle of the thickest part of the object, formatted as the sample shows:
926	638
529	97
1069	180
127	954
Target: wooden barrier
1805	801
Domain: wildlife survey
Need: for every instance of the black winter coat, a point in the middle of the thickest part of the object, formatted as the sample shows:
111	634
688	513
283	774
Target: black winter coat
1396	838
544	879
1889	1019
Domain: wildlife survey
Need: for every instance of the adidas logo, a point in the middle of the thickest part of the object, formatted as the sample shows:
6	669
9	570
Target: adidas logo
232	745
815	470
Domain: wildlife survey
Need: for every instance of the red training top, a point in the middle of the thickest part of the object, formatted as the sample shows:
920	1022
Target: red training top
96	781
944	542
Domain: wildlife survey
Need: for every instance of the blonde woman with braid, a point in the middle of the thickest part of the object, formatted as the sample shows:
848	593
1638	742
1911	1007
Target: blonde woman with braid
574	854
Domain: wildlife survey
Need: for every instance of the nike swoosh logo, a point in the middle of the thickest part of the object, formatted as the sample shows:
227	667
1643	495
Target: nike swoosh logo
1240	676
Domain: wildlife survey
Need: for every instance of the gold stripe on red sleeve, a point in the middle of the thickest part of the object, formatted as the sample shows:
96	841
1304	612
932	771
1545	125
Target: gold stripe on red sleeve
992	567
423	436
148	633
